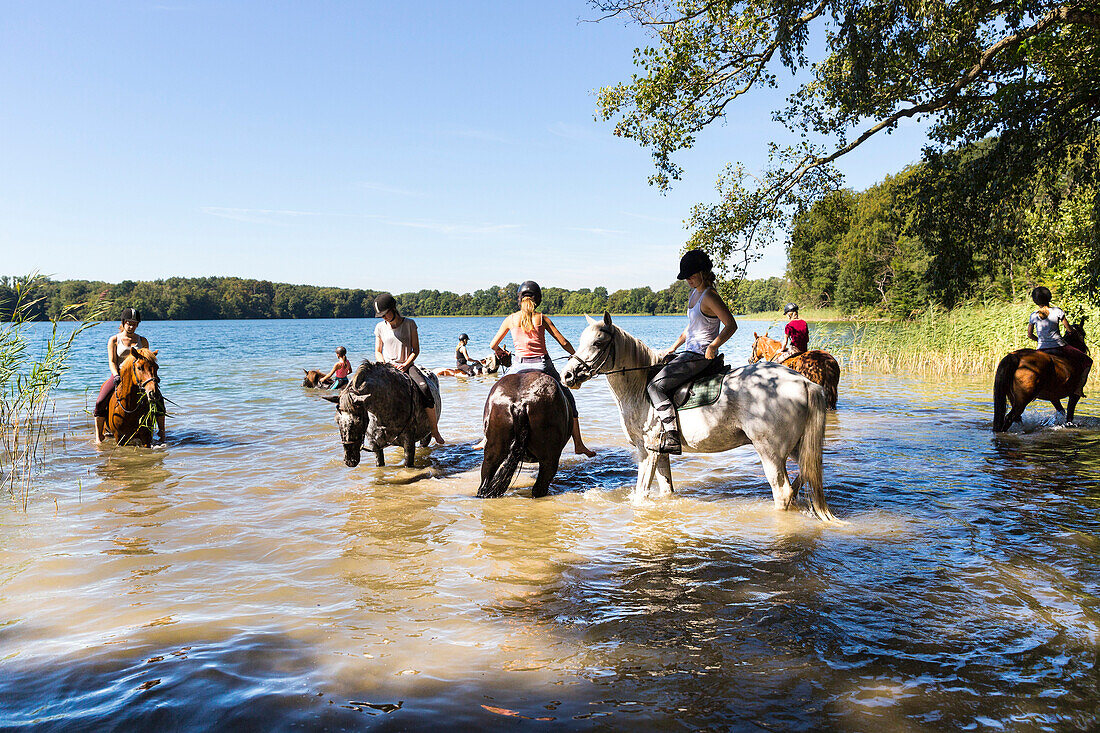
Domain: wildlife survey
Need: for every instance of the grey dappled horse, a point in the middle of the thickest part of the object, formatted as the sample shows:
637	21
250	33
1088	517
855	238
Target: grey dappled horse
381	406
776	409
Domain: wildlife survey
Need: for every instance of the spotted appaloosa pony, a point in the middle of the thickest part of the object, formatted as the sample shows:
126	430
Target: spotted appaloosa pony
527	417
131	411
776	409
1027	374
381	406
816	365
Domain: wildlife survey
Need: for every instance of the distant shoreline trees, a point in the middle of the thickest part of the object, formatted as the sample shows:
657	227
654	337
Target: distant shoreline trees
222	298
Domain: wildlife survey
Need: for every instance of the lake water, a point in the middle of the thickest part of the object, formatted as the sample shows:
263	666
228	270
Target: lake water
243	576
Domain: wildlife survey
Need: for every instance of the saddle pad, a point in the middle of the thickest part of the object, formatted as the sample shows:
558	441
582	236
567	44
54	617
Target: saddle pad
705	391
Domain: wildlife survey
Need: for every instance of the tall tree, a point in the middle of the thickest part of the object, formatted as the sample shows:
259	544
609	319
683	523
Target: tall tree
1027	71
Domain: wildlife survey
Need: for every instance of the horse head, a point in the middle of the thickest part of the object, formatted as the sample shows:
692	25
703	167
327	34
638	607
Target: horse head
1075	334
595	352
763	347
143	370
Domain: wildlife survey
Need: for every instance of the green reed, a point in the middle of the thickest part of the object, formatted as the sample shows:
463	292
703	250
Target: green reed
969	339
26	383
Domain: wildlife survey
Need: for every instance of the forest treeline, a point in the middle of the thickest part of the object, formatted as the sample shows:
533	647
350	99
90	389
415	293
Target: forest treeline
209	298
970	224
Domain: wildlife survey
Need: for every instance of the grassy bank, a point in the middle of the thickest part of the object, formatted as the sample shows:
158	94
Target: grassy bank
965	340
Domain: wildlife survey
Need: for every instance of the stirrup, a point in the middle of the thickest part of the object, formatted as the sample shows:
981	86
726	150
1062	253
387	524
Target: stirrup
670	443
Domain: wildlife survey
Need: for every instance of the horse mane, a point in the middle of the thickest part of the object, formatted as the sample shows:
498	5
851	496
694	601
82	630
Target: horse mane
638	351
1076	334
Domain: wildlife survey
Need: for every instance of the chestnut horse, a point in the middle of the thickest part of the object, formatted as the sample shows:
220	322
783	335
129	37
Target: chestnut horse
816	365
1027	374
527	417
132	409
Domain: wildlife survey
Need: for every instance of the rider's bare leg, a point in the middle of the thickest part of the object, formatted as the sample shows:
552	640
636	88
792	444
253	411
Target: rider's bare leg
433	418
100	426
578	442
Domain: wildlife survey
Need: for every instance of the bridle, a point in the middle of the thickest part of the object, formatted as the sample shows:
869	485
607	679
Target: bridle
140	387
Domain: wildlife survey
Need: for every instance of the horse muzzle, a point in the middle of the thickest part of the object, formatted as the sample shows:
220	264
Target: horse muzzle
352	454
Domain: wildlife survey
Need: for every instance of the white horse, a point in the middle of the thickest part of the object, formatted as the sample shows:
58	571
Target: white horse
775	408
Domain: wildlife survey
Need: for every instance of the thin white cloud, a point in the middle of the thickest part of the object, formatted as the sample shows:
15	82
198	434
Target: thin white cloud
267	216
598	230
384	188
457	230
576	133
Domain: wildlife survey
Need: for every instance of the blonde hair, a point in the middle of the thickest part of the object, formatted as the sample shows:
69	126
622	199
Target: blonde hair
707	276
527	313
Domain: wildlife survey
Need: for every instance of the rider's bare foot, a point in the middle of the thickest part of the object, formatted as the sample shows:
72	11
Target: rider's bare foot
98	439
480	445
583	450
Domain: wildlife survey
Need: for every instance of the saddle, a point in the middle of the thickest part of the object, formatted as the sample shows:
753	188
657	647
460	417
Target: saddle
704	389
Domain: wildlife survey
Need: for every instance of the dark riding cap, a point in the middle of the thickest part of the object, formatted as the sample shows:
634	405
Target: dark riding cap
790	308
384	302
463	337
1041	295
695	260
131	314
530	287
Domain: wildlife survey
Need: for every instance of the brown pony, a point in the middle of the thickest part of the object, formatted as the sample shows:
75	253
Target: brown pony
1027	374
315	378
132	407
816	365
527	418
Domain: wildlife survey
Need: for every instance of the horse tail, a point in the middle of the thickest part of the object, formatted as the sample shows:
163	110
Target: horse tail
832	381
811	446
1006	373
501	479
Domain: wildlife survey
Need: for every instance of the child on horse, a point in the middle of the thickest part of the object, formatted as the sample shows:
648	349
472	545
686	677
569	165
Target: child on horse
710	324
796	335
118	347
528	330
397	342
1044	326
340	370
463	361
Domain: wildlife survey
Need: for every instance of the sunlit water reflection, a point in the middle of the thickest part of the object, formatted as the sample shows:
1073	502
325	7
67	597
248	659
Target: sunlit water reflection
242	575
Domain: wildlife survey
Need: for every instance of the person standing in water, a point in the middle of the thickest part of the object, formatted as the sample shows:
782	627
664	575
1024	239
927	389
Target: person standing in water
710	324
796	335
397	342
528	329
1045	326
118	346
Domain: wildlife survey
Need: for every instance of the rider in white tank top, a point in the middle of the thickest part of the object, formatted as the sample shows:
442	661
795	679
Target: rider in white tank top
701	329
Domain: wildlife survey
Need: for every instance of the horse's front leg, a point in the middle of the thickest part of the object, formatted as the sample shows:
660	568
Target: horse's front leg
410	451
379	456
664	475
647	466
1071	405
1058	406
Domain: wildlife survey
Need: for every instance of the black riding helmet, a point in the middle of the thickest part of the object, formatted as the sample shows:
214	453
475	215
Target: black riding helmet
384	302
790	308
530	287
131	314
463	337
695	260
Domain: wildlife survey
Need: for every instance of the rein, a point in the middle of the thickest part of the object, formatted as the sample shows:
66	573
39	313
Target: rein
608	357
141	392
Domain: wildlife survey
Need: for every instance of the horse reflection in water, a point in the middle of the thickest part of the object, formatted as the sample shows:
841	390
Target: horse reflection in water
527	417
380	407
777	410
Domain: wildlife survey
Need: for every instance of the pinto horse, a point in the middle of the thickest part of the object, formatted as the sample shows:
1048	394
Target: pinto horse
527	417
131	411
816	365
1027	374
776	409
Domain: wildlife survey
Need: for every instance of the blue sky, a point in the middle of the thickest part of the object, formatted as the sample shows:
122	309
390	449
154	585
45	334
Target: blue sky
391	146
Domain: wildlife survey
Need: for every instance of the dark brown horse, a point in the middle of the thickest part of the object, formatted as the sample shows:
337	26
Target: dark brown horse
816	365
132	409
315	378
527	418
1027	374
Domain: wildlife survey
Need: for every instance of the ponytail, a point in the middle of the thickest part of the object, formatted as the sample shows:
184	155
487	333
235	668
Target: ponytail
527	313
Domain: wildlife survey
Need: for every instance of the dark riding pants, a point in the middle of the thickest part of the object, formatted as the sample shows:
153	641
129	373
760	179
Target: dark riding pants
546	365
422	384
105	393
683	367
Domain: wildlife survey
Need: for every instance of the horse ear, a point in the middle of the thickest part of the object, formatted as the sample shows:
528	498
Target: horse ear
606	318
591	321
155	354
333	398
755	335
305	371
360	399
134	352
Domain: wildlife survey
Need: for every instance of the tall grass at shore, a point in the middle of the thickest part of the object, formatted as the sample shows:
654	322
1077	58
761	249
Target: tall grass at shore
26	383
969	339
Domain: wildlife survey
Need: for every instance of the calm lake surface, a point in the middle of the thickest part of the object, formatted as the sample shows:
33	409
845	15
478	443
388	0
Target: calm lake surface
242	576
